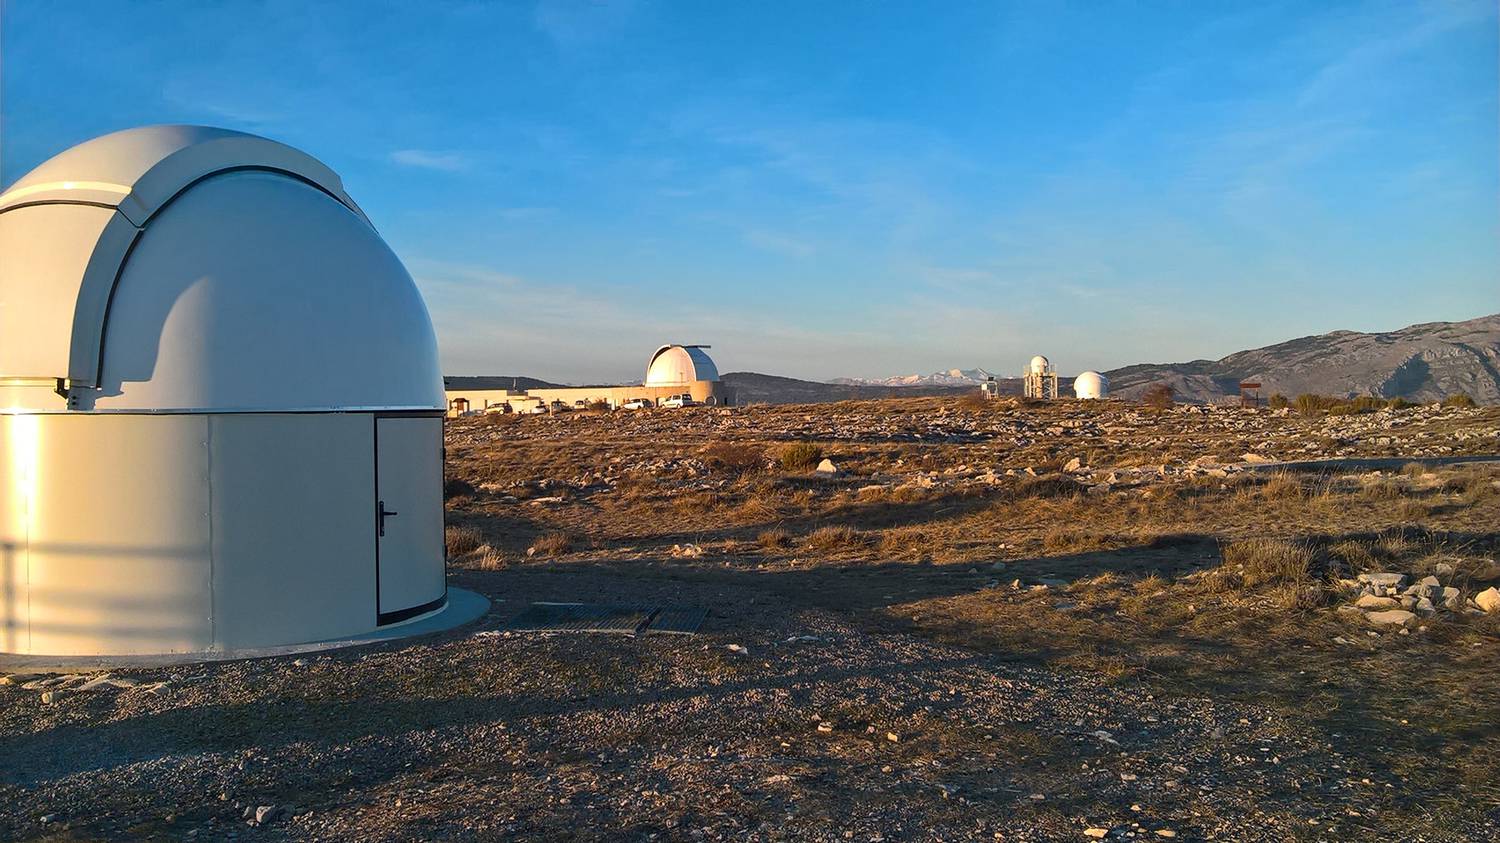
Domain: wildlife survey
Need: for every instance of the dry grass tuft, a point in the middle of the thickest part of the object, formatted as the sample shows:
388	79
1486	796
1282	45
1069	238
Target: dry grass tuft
734	458
906	543
774	539
1283	485
1052	486
833	538
458	540
1413	511
1281	570
551	544
486	558
1073	541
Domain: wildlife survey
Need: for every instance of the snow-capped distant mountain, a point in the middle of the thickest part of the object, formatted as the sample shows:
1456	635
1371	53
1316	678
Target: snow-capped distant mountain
951	377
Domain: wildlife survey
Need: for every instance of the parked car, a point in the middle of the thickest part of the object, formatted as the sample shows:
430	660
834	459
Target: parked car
683	400
637	404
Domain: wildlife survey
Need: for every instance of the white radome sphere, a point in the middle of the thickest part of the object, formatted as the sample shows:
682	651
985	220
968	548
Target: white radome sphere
1039	365
1091	385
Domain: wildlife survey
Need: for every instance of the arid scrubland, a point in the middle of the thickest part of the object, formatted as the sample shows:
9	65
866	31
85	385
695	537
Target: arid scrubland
998	621
1195	551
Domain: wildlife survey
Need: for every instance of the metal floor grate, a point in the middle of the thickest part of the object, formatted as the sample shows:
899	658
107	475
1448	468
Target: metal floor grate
677	620
615	619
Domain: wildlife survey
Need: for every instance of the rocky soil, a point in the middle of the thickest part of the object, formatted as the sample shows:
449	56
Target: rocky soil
778	722
996	622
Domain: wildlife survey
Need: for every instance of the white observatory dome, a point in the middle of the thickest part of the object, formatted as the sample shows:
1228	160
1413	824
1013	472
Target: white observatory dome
223	406
1091	385
672	365
1039	365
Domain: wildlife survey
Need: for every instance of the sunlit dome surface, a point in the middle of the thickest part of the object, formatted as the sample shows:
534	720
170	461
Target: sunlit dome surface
1039	365
680	364
233	273
1090	385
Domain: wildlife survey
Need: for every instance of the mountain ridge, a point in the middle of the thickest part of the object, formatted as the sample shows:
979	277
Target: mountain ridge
1426	361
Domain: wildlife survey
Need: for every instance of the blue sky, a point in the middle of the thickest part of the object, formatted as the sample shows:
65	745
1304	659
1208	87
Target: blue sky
842	188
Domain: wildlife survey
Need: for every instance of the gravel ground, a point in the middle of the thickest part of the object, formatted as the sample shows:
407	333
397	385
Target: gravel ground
812	727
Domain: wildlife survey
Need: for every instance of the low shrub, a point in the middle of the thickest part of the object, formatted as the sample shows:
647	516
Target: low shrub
1309	404
734	458
799	456
1160	396
1458	399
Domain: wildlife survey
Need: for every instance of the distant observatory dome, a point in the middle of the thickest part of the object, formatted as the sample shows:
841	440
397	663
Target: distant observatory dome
222	425
672	365
1091	385
1039	365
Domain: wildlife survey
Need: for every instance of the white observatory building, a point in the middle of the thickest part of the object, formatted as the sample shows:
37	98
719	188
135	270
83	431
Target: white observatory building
679	365
1040	380
222	408
1090	386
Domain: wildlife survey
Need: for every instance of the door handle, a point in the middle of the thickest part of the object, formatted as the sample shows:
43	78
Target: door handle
381	513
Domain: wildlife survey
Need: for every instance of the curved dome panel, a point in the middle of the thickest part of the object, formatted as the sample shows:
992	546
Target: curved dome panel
140	169
255	291
680	364
68	226
1039	365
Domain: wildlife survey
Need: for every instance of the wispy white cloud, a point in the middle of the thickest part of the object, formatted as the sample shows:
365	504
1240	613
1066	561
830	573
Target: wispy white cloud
450	162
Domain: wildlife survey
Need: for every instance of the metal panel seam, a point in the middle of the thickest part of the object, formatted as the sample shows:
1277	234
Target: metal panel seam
208	453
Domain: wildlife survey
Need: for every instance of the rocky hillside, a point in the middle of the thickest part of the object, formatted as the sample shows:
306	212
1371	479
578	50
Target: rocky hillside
494	382
1420	363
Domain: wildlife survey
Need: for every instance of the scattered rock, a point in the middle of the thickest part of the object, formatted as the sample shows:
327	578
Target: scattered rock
1392	617
826	468
1488	600
1370	601
1384	580
266	813
1073	464
687	551
737	649
1096	833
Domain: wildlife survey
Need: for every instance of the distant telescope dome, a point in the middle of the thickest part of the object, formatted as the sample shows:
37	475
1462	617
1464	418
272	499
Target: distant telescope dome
222	407
672	365
1091	385
1039	365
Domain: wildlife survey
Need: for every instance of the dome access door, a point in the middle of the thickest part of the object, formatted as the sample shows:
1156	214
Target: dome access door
408	509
